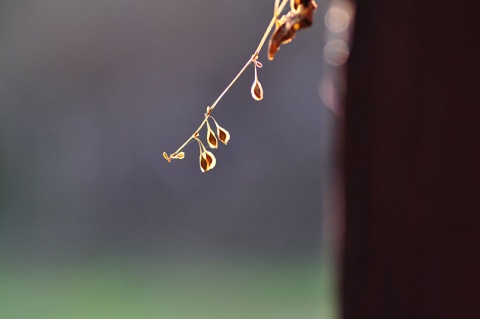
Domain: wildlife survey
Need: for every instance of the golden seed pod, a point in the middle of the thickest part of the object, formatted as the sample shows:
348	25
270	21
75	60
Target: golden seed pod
223	134
179	155
211	139
207	161
211	160
257	90
203	163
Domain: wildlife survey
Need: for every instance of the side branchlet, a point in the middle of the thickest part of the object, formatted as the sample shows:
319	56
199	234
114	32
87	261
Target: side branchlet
300	16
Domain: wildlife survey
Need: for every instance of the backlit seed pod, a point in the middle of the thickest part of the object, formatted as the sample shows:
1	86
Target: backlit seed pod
223	134
179	155
211	139
257	90
206	159
203	162
211	160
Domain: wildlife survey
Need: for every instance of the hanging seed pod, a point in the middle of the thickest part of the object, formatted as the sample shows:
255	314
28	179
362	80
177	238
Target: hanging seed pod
211	160
257	90
206	159
223	134
211	139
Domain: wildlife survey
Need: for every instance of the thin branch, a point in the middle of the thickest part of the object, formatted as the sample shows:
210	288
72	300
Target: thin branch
299	17
253	58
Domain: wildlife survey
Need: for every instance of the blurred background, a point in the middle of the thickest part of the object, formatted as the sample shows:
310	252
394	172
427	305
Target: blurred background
94	223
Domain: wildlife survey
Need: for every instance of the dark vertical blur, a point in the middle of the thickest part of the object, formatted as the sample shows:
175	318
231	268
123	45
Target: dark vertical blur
412	161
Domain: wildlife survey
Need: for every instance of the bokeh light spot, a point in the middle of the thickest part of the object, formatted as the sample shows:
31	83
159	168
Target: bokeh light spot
337	19
336	52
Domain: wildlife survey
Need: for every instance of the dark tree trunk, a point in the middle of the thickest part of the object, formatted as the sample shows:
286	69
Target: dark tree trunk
412	162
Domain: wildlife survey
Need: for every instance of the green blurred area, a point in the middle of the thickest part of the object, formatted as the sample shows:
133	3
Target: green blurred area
124	290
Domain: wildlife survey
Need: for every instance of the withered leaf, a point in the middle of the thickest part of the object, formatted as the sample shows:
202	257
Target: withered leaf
223	135
300	17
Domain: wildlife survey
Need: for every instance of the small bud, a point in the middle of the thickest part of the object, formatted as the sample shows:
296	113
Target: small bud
168	158
207	161
203	163
211	160
180	155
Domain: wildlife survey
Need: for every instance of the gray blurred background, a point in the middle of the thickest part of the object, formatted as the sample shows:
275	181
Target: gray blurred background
91	94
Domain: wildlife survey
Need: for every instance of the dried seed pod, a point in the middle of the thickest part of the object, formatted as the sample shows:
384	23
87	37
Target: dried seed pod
203	162
223	134
257	90
211	139
206	159
179	155
211	160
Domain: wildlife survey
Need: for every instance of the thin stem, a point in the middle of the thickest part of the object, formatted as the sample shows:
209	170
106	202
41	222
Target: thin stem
202	147
252	59
270	26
